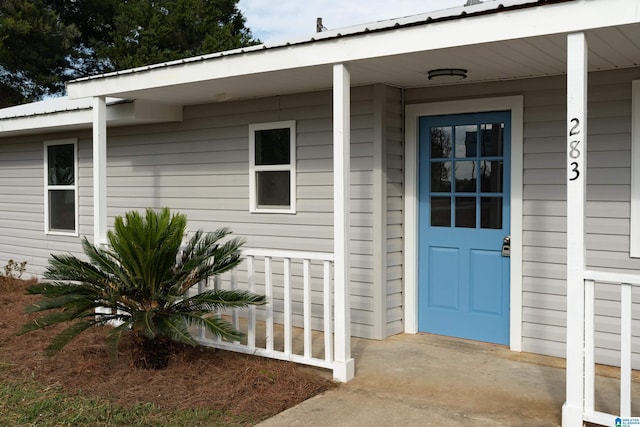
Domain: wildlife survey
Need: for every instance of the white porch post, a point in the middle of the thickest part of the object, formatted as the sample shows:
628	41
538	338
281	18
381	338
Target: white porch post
341	196
99	170
572	411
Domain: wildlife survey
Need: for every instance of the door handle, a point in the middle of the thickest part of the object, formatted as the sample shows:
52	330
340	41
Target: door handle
506	246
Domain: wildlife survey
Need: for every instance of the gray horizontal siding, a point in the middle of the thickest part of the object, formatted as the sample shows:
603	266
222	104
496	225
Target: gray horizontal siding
200	167
394	193
22	236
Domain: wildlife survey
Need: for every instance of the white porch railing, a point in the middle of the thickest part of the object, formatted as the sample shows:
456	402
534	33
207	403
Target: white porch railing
260	323
626	283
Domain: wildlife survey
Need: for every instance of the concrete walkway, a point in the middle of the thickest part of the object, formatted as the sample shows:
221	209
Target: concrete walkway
423	380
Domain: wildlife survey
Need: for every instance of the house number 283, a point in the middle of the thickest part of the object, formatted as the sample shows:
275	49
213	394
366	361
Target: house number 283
574	151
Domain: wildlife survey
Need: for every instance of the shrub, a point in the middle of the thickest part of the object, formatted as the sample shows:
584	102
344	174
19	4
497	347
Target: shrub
12	273
141	278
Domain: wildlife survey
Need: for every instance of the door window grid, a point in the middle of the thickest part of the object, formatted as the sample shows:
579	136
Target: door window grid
466	184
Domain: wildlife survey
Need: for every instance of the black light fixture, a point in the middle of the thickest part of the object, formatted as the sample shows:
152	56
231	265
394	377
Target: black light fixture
448	73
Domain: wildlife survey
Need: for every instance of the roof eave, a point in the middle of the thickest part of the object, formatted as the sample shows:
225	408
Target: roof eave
119	114
558	17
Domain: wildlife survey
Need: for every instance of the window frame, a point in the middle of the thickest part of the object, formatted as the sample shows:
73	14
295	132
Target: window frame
290	167
634	231
48	187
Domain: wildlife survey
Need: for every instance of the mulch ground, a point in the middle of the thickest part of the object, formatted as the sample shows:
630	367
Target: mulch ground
195	378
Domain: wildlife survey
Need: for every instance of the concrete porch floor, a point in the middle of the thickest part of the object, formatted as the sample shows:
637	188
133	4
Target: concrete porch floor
419	380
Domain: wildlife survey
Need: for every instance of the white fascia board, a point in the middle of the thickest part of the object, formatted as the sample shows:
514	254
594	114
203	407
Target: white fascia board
26	124
118	114
567	17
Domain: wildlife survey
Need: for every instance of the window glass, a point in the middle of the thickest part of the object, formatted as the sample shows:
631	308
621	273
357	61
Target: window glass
62	210
273	188
60	162
440	176
440	211
440	142
466	179
466	212
466	176
272	146
466	141
491	176
491	212
491	136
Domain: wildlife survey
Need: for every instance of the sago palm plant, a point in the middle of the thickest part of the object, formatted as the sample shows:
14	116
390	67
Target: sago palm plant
141	279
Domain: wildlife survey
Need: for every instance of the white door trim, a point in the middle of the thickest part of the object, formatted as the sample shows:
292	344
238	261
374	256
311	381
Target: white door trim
515	104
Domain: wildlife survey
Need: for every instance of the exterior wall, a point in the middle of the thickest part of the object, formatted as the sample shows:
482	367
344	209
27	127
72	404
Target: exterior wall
387	211
393	184
200	167
22	236
608	201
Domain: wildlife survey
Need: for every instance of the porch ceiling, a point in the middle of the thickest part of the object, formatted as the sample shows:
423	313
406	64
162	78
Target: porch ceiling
609	48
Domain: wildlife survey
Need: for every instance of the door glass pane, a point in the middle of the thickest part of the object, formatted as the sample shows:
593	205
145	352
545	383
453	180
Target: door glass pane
466	141
273	188
441	211
491	176
62	210
491	139
440	142
272	146
491	212
466	176
466	212
441	176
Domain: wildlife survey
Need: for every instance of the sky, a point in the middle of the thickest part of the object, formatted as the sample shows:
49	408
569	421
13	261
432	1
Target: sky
278	20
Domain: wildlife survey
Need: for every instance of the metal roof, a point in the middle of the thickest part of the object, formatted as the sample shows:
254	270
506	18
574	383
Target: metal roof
527	41
487	7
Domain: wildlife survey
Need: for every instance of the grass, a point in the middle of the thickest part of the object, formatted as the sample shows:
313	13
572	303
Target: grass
27	403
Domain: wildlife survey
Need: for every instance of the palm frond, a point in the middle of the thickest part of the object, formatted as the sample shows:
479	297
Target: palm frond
54	289
145	323
148	245
176	328
71	268
219	299
214	325
113	339
107	261
68	301
64	337
44	321
204	256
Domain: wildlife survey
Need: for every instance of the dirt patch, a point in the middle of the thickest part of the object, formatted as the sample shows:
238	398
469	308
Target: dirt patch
196	377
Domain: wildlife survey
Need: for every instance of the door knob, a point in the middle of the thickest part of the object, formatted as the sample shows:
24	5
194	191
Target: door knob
506	246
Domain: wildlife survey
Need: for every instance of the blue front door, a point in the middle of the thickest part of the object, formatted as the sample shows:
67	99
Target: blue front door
463	218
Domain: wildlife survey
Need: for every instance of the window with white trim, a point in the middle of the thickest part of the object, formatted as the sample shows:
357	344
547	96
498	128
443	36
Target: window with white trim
272	167
61	186
634	232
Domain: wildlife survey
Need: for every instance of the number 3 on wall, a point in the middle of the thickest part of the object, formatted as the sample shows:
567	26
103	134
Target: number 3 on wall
575	170
574	152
